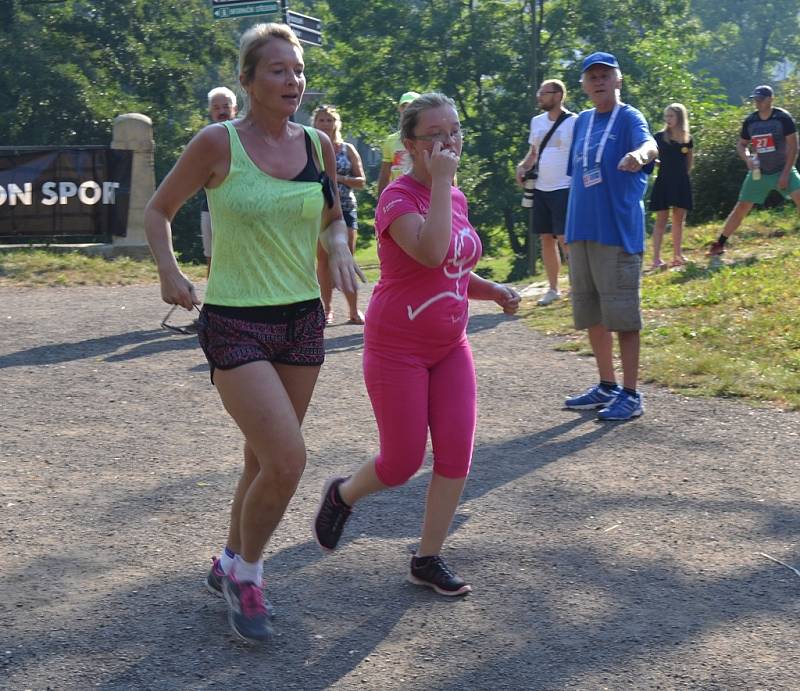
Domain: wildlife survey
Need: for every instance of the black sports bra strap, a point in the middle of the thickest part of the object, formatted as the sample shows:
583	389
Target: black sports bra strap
310	172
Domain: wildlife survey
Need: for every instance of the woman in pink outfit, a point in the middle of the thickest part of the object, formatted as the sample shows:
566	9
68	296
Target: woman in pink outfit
417	360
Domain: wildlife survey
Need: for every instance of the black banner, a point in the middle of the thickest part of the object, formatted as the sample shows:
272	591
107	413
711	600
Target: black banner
73	193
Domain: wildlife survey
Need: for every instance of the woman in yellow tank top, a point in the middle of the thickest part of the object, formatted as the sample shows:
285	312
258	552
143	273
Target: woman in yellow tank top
262	323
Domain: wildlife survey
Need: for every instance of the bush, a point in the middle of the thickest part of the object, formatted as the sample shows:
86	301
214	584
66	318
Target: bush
718	170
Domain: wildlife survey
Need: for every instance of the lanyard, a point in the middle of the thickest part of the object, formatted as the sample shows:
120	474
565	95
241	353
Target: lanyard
603	139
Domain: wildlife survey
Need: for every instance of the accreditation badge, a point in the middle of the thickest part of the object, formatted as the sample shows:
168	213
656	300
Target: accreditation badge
592	177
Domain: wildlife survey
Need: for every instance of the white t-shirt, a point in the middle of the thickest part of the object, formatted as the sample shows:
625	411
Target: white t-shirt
554	159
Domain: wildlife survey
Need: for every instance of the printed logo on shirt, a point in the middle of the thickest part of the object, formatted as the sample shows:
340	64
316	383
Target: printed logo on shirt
458	267
386	207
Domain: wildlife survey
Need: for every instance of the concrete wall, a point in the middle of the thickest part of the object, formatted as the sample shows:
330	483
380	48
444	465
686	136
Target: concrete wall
134	131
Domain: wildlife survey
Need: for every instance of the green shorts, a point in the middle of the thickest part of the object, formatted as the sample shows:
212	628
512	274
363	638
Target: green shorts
756	191
604	286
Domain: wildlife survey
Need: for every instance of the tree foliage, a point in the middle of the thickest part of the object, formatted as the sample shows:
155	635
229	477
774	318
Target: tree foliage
71	67
747	41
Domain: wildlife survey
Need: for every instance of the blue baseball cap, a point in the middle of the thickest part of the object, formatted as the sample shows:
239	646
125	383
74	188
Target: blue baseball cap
599	59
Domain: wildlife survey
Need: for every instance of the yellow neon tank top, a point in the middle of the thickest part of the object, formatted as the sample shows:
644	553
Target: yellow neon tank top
264	234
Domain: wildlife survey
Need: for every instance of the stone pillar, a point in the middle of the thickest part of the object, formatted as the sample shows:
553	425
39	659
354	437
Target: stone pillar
134	131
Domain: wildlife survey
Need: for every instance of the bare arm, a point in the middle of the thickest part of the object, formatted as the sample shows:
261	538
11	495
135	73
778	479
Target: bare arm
204	162
333	236
743	151
689	160
791	153
427	239
634	160
356	181
526	163
483	289
383	176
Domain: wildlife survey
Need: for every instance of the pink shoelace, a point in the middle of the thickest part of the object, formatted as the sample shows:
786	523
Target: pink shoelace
251	598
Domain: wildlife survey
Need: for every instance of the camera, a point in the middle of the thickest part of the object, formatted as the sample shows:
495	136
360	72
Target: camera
528	183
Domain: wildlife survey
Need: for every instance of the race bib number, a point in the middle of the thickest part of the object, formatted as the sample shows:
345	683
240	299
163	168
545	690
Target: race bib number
763	143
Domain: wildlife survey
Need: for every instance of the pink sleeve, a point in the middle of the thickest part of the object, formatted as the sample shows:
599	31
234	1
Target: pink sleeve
393	203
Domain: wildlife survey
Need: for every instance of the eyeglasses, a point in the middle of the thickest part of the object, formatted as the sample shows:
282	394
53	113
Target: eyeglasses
441	137
187	330
542	93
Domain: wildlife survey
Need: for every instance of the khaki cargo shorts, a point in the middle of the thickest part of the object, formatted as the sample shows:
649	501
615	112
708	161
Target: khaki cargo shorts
604	286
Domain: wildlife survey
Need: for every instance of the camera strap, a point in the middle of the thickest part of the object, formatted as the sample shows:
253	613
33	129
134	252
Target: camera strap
564	115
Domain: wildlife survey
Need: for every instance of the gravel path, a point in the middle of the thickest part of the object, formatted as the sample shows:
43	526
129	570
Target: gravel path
601	555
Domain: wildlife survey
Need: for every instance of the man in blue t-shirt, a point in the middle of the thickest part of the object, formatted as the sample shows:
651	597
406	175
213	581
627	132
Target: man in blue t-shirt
768	146
611	144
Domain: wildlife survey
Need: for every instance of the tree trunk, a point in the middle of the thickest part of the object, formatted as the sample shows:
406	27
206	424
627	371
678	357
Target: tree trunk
517	247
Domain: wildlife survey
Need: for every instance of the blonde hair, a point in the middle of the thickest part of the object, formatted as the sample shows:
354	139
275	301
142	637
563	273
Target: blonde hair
682	126
410	116
559	86
337	119
256	37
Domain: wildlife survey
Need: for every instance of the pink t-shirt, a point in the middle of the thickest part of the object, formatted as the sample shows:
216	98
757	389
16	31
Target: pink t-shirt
414	306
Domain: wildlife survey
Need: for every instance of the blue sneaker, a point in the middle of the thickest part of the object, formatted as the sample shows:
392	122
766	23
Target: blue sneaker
624	407
247	613
595	397
214	584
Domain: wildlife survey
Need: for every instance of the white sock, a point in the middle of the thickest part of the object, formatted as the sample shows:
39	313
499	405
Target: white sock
226	560
245	571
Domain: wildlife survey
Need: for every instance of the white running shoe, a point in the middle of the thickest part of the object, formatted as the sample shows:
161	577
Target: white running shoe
549	297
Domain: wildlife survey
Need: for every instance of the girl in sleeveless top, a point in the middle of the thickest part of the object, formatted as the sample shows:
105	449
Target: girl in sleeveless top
262	323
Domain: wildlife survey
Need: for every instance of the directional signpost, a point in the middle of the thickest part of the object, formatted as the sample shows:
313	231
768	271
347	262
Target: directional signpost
232	9
307	29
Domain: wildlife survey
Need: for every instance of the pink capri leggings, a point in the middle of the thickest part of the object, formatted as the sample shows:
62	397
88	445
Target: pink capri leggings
412	393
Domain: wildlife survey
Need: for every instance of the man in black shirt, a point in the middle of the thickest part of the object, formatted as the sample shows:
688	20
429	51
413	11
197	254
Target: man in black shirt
768	145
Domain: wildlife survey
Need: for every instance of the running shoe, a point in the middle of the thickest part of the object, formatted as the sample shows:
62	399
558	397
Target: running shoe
624	407
715	249
214	578
434	572
247	613
549	297
214	584
596	396
331	516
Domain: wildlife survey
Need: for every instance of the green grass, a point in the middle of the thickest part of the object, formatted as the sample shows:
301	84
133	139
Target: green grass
728	327
42	268
367	258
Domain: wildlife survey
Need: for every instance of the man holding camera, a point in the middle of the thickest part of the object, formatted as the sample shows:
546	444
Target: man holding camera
546	163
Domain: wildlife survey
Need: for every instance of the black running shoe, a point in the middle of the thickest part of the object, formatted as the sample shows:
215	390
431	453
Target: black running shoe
331	516
434	573
247	613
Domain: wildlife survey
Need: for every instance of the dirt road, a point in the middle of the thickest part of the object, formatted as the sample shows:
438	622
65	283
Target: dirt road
620	556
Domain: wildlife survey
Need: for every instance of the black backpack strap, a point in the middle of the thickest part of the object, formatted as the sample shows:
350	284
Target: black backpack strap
566	114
